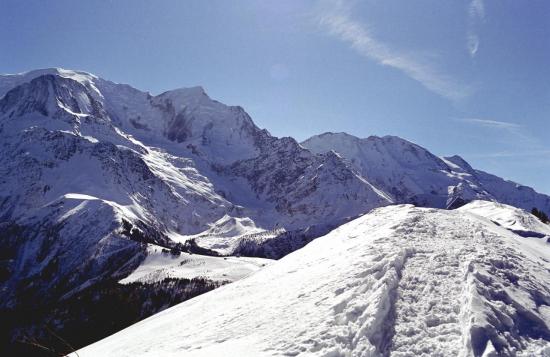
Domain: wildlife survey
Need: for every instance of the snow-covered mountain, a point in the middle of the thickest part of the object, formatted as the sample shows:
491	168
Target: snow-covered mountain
400	281
411	174
177	162
70	178
88	167
94	173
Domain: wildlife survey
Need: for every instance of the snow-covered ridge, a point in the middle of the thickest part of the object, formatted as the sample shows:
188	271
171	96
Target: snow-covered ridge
512	218
398	281
411	174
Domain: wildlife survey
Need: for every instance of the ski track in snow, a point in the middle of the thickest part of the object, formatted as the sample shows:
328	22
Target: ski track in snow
400	281
431	290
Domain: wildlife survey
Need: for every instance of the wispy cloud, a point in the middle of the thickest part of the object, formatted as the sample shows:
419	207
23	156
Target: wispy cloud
335	17
516	133
491	123
517	143
476	13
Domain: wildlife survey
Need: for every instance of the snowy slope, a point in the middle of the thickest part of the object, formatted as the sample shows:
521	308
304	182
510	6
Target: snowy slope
400	280
411	174
514	219
65	246
224	234
160	265
64	141
304	188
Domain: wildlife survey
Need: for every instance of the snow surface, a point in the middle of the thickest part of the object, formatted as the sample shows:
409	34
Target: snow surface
400	280
514	219
158	266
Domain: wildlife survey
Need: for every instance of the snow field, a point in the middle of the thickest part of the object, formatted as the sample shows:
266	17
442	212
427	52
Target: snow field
158	266
400	281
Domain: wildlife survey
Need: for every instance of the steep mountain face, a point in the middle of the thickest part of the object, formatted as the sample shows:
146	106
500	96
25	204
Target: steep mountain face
305	187
401	281
88	167
247	165
71	178
411	174
221	141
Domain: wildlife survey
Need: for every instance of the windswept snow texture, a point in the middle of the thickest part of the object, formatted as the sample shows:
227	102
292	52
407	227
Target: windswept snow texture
399	281
411	174
514	219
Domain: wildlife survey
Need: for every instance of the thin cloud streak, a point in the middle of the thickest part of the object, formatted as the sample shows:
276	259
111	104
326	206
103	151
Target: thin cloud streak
335	17
517	131
476	13
491	123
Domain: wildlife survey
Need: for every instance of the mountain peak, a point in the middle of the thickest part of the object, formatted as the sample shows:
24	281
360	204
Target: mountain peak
340	134
48	94
52	70
459	162
10	81
328	140
191	97
196	91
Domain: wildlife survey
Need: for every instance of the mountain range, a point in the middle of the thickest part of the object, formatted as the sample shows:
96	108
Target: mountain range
94	173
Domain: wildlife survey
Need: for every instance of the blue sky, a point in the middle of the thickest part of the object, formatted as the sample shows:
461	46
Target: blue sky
457	77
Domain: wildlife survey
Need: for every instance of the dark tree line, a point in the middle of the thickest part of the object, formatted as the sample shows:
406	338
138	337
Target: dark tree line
540	215
140	232
90	315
